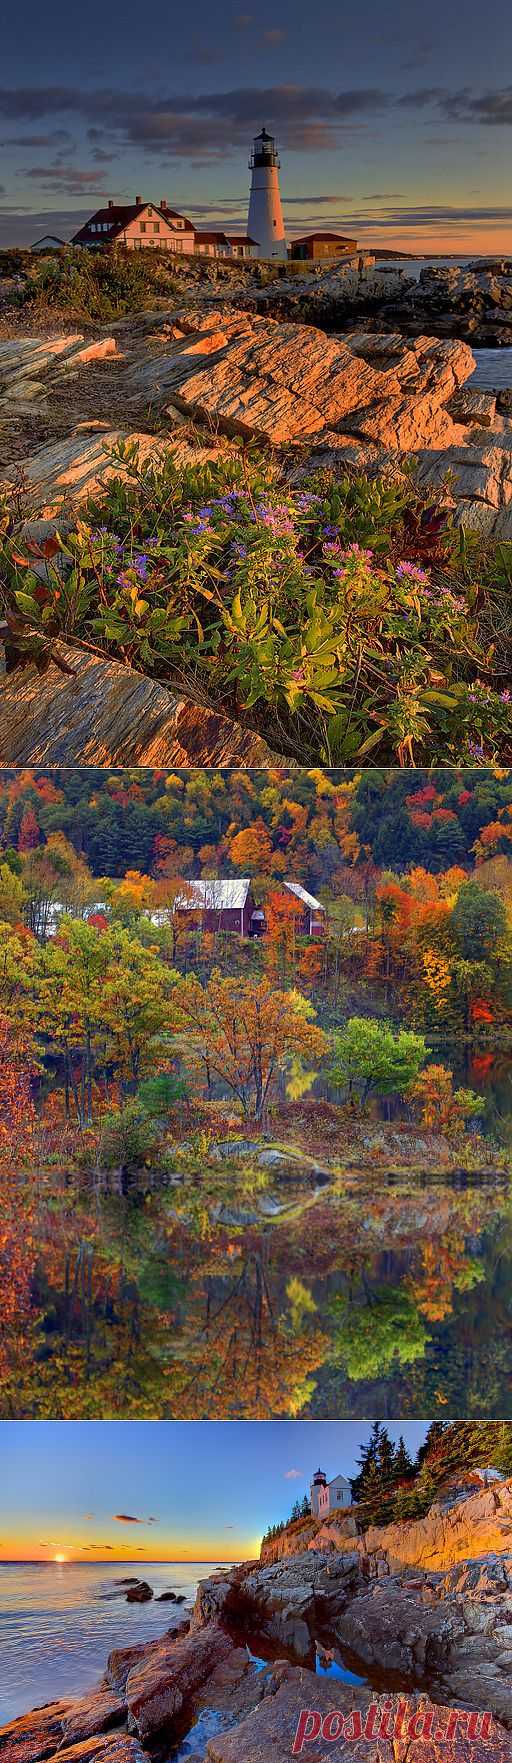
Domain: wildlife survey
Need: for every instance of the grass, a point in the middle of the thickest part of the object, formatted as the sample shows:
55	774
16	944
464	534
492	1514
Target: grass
341	619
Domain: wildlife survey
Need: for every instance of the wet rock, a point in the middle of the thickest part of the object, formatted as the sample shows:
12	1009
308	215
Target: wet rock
217	1598
121	1661
139	1593
115	1747
421	1728
284	1600
160	1690
68	1729
35	1735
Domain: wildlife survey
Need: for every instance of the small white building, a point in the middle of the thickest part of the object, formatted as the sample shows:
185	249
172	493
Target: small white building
328	1496
49	242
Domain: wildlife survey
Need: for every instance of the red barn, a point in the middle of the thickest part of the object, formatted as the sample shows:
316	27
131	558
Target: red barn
219	905
231	905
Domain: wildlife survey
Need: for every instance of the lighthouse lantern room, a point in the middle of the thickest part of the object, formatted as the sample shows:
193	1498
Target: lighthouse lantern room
265	220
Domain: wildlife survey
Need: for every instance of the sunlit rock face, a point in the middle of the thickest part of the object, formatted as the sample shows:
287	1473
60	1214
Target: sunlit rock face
471	1516
166	1679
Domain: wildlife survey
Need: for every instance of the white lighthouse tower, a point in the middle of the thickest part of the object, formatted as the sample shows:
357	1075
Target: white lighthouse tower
265	220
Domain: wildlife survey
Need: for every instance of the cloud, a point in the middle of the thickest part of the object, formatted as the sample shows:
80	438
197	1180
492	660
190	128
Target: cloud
211	124
494	108
128	1518
66	178
52	139
293	1474
88	1515
274	36
85	1548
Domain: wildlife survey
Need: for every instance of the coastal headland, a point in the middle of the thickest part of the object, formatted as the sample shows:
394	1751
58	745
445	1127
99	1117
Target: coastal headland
416	1615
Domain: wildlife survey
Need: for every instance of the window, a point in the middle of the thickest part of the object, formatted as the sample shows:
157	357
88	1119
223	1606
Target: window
156	226
143	226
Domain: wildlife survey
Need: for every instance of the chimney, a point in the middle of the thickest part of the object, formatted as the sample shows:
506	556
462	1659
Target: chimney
110	202
138	201
164	203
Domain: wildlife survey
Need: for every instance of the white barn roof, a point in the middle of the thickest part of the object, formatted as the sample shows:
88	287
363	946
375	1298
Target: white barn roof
302	894
214	895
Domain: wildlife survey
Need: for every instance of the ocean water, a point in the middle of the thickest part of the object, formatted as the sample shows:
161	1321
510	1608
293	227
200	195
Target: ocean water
493	372
59	1622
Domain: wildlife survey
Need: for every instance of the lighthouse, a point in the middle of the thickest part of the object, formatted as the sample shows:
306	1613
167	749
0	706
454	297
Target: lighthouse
265	221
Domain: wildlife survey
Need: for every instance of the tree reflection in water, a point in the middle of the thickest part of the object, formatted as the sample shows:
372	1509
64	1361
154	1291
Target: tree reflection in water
163	1301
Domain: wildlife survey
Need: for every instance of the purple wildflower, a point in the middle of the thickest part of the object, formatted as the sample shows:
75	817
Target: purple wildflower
412	572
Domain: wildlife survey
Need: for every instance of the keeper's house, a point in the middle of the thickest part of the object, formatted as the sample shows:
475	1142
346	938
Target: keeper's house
138	227
328	1496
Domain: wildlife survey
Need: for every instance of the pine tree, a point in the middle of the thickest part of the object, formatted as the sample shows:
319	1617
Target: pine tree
386	1466
403	1462
367	1482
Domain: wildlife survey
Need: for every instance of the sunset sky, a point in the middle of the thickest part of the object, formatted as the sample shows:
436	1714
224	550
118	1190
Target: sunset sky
168	1491
394	121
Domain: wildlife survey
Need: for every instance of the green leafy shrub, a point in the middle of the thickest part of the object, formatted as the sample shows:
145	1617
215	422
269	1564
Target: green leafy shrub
97	284
340	619
128	1137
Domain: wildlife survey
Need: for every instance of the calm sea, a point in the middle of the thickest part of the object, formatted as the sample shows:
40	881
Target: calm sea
58	1623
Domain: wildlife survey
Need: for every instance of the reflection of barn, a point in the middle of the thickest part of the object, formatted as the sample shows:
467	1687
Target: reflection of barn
230	905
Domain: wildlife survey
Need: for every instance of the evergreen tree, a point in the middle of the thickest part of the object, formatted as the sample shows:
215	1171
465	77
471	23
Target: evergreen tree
403	1462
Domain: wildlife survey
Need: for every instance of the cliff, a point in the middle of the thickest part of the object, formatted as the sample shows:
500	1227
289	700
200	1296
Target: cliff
470	1516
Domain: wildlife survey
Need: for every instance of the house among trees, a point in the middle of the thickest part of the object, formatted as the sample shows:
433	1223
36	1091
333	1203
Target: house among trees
231	905
137	226
220	905
328	1496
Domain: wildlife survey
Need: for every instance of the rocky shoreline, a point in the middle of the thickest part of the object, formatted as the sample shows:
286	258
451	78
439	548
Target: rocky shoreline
471	302
421	1608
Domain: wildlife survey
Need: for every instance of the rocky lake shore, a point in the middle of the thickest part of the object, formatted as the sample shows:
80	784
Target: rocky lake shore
411	1619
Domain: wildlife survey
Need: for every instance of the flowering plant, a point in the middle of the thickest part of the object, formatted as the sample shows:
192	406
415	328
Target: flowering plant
339	618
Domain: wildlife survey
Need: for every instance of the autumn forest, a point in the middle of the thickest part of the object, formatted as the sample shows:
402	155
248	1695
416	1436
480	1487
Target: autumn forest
256	1092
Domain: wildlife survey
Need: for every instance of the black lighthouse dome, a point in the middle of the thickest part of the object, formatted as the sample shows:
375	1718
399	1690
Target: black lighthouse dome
264	151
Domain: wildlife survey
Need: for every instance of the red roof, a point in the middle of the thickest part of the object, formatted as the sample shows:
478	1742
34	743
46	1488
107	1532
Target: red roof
340	238
211	238
117	217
